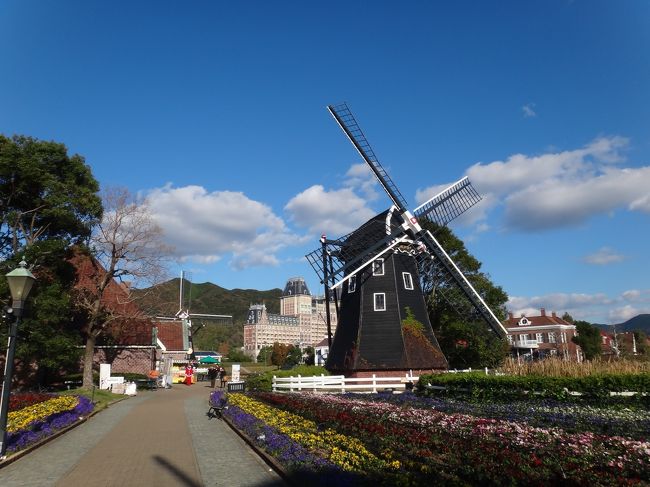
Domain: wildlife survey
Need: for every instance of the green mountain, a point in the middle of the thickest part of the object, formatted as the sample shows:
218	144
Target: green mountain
639	322
208	298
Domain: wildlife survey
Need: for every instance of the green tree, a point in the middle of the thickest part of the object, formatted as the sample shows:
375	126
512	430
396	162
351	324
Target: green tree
641	340
589	339
44	194
294	356
264	357
48	202
464	338
568	318
310	356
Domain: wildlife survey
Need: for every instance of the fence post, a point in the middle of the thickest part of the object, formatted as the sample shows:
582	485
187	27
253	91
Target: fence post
274	383
299	383
374	383
486	371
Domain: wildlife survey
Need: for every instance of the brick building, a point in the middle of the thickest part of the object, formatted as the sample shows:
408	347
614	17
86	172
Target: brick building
537	337
301	321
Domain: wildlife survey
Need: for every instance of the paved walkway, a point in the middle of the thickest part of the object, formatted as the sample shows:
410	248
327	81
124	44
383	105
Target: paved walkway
159	438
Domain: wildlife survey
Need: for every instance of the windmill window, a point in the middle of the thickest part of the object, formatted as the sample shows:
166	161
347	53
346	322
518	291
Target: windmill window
380	301
408	280
378	267
352	284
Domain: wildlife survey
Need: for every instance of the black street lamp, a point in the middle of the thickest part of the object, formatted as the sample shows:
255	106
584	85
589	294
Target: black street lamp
20	282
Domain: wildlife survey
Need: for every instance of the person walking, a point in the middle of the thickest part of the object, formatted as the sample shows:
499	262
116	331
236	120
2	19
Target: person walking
212	375
222	375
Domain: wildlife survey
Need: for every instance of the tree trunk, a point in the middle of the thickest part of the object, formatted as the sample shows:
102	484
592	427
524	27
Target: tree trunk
88	361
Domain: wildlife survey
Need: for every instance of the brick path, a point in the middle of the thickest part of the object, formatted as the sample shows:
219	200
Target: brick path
158	438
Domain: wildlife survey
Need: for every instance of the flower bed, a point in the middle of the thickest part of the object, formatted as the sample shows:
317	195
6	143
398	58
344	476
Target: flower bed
415	445
614	421
41	419
23	399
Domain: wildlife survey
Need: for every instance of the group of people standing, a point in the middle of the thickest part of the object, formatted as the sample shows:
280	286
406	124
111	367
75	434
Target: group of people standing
215	372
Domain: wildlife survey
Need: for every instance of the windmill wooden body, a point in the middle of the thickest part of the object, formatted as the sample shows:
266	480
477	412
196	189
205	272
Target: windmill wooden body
380	272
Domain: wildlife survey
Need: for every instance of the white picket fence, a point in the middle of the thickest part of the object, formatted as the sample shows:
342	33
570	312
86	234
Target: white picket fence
340	383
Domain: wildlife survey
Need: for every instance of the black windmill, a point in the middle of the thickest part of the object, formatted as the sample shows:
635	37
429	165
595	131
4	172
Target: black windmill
380	272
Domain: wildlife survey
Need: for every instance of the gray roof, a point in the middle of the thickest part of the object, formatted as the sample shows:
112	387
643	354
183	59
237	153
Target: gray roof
294	286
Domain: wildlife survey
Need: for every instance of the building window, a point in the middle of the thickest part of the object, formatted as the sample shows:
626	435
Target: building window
510	339
523	338
352	284
563	337
408	280
380	301
378	267
551	337
539	337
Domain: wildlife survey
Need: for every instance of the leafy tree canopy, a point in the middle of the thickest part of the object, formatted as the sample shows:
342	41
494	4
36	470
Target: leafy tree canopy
465	339
45	193
588	338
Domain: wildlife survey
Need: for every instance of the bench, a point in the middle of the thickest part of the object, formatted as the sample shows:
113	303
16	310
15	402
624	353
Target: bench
236	386
216	408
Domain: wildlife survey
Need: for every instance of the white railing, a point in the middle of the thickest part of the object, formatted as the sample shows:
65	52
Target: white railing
525	343
340	383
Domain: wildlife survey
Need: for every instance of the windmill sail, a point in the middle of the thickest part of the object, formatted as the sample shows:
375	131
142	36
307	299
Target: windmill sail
449	203
347	122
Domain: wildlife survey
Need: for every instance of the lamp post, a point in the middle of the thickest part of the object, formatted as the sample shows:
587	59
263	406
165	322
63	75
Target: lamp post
20	282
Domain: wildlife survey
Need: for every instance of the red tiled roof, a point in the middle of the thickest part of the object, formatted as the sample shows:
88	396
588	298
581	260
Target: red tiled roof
170	333
542	320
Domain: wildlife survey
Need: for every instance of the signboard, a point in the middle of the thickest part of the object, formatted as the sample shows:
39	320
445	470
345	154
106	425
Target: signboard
104	374
234	377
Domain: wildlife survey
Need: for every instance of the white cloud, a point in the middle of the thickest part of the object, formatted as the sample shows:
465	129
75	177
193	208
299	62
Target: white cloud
204	227
558	189
624	313
361	178
528	110
604	256
333	212
595	308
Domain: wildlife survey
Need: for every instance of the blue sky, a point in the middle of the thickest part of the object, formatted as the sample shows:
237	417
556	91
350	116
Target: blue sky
215	111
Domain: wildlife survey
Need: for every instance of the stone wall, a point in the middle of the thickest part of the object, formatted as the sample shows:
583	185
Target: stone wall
126	359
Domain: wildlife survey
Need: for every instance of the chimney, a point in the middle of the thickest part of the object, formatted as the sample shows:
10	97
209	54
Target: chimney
543	312
553	314
510	315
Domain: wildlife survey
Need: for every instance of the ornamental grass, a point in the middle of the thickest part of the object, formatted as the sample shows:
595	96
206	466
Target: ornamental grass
557	367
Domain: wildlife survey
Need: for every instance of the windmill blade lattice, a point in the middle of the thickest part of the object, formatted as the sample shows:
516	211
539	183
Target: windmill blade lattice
347	122
449	204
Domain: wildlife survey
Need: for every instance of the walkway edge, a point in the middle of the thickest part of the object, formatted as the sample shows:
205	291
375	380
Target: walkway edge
268	459
21	453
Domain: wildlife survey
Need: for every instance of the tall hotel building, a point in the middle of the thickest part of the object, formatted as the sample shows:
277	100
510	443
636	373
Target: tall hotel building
302	320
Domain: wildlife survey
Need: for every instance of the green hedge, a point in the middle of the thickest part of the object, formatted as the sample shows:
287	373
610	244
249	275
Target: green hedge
483	386
264	381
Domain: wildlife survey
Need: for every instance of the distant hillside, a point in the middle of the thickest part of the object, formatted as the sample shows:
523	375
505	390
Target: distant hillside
639	322
208	298
162	300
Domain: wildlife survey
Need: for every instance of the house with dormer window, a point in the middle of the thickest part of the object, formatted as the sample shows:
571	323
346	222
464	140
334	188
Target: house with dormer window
540	336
